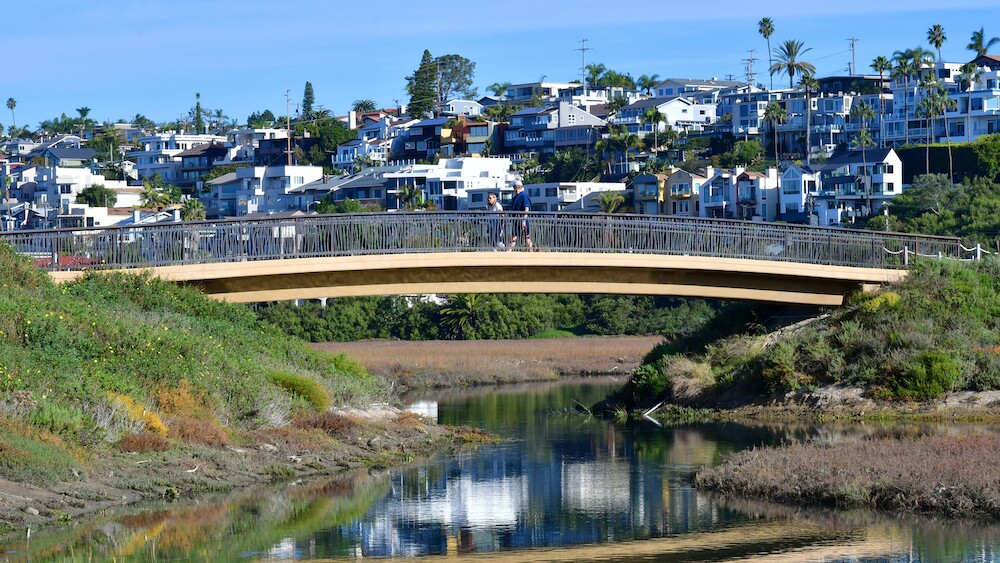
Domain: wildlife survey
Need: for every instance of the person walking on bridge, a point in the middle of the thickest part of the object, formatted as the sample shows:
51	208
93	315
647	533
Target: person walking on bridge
494	221
519	208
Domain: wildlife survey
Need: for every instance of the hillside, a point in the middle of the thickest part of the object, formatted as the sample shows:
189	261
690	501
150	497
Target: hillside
936	332
122	387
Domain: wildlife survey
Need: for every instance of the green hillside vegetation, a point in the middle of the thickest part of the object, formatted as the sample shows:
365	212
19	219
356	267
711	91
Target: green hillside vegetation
135	363
938	331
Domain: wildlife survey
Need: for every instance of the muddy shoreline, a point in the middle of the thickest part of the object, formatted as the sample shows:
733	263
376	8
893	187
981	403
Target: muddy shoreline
378	437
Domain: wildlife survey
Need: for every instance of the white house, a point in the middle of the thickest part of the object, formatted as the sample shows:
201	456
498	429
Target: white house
258	189
559	196
159	151
447	183
680	113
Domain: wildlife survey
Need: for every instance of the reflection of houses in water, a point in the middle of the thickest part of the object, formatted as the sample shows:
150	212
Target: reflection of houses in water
599	486
428	409
466	502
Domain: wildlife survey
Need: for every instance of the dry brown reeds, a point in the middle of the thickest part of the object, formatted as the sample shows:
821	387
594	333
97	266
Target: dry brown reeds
462	362
947	475
143	442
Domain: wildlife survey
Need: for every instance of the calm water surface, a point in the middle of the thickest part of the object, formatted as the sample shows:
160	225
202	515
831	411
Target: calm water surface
563	487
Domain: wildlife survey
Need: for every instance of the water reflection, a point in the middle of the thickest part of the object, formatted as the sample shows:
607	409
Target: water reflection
564	487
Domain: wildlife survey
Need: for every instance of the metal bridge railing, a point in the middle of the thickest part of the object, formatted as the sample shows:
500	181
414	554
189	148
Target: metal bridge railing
203	242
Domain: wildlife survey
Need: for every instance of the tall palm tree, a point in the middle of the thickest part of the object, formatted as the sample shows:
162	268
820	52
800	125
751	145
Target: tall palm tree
910	63
979	43
864	113
970	75
647	82
84	112
11	104
787	55
881	65
654	116
927	109
936	37
864	139
775	114
766	27
809	83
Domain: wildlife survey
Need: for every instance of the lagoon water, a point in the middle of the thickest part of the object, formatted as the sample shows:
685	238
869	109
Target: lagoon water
562	487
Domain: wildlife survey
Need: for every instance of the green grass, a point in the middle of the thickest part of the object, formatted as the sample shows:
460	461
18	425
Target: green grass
67	350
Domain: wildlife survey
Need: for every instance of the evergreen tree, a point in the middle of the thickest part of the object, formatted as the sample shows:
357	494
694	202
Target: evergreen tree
422	88
199	123
307	101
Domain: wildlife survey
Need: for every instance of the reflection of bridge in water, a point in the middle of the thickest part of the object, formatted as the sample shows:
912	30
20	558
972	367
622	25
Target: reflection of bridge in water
447	252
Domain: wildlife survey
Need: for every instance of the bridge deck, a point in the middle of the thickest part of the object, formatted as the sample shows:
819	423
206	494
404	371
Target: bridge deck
369	254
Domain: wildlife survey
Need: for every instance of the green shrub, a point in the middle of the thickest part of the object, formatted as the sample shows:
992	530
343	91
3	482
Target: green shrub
651	381
929	375
58	419
302	386
778	371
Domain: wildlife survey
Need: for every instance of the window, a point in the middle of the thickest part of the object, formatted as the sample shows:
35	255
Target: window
476	198
551	192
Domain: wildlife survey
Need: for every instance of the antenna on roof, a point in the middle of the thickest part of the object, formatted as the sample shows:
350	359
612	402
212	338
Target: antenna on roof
854	64
583	63
748	66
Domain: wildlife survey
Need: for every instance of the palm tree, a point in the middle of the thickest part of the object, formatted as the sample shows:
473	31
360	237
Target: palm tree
594	72
881	65
84	111
864	139
614	104
654	116
809	82
936	37
927	109
152	197
363	106
603	147
979	43
409	195
11	104
775	114
766	27
909	63
610	201
787	55
460	314
193	210
499	89
970	74
864	113
647	82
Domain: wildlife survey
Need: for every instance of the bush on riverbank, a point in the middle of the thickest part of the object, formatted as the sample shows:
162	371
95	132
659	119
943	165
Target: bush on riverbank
115	355
485	317
935	332
946	475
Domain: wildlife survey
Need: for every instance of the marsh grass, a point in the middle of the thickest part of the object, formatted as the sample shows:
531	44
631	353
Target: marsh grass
941	474
450	362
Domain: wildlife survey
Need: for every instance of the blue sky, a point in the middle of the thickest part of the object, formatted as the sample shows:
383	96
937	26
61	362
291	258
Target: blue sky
124	57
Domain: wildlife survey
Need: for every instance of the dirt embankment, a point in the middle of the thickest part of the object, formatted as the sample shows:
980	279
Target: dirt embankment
328	444
447	363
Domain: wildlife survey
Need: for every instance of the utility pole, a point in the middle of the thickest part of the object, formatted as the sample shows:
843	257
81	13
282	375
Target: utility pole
288	125
854	64
748	67
583	63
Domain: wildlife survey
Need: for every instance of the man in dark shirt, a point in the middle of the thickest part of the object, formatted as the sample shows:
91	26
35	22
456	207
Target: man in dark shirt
519	208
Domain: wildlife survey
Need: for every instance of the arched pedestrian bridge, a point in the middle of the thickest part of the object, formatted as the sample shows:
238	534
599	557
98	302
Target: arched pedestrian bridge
449	252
